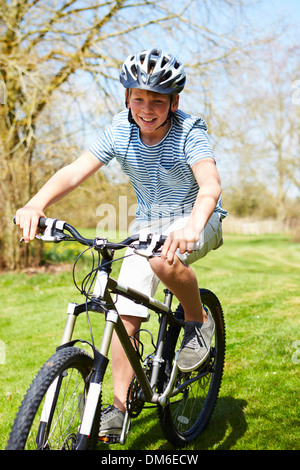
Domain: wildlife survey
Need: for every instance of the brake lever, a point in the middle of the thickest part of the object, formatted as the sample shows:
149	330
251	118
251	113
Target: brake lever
53	231
149	251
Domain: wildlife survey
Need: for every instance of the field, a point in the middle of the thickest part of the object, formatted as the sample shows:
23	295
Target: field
257	279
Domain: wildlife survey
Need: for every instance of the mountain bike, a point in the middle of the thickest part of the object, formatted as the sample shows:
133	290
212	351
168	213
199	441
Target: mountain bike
62	408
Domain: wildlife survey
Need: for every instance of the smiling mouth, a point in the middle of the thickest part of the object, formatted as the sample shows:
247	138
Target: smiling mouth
147	120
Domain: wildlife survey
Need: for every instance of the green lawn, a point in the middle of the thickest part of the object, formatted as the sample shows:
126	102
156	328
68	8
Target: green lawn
258	282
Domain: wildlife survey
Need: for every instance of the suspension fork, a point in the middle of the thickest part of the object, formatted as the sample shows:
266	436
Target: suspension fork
95	385
99	368
92	400
53	390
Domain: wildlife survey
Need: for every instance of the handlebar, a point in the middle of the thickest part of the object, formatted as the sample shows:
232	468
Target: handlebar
144	244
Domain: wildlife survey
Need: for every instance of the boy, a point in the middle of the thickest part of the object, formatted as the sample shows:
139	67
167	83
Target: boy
170	163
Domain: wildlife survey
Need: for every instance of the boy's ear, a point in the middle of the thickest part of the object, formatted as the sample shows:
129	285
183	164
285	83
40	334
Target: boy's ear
127	94
175	103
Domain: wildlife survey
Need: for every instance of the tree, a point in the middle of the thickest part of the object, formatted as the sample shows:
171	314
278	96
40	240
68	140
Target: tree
50	50
265	118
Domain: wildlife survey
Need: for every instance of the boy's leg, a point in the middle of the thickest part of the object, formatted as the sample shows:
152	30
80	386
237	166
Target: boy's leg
122	372
112	418
180	278
199	325
182	281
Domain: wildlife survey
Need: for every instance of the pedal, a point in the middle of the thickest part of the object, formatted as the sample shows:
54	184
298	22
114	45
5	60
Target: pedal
110	439
117	438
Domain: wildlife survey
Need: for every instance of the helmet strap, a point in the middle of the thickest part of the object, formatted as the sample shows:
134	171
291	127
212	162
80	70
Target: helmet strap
130	118
170	114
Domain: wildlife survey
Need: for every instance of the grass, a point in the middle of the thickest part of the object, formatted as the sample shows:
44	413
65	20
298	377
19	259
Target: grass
257	280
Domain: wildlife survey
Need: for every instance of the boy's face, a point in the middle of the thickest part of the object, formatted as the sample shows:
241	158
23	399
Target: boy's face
150	110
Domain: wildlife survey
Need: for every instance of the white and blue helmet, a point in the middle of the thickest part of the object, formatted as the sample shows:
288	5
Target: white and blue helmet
153	70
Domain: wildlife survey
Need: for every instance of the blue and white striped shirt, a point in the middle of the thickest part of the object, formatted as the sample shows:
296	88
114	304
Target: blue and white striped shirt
161	175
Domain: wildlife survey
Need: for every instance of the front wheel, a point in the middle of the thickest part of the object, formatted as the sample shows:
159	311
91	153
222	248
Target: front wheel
188	412
54	425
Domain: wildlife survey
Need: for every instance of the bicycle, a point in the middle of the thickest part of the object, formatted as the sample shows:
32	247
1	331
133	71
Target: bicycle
62	408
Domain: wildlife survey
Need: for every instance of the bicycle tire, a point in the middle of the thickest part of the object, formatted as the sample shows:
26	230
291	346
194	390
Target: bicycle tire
183	419
72	366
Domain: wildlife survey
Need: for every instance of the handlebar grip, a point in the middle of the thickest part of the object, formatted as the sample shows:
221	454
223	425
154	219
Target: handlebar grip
42	222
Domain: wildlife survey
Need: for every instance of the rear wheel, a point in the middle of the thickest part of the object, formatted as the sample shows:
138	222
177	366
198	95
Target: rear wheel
188	413
55	427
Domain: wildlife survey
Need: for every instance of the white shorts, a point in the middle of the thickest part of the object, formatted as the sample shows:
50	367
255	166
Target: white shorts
136	271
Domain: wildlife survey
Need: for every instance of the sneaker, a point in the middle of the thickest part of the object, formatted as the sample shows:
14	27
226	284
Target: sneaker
111	421
195	347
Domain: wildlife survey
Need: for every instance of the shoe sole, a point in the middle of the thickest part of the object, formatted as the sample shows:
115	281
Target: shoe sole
107	432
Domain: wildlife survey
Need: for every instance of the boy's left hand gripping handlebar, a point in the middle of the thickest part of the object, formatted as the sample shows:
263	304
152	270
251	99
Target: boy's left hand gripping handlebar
41	224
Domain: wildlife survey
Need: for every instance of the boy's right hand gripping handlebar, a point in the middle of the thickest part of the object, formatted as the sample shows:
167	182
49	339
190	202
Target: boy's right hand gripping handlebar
52	229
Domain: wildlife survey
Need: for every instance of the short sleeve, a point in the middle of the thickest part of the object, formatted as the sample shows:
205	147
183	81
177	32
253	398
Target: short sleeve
197	146
104	148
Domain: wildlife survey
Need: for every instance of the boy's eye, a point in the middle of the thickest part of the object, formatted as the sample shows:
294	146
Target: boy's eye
157	101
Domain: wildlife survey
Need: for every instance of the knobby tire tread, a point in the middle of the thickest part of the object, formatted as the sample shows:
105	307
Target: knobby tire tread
37	390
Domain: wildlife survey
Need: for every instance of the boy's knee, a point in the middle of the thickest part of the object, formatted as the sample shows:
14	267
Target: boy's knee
163	269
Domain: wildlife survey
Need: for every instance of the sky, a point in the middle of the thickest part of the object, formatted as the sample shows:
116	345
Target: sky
269	10
289	7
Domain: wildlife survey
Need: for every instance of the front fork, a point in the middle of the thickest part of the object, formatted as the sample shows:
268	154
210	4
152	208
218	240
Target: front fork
99	368
95	384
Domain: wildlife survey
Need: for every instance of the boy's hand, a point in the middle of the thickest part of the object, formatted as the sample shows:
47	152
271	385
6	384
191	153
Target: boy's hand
183	239
27	219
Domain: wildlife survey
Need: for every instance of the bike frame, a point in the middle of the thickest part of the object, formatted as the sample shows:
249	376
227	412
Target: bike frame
102	302
147	378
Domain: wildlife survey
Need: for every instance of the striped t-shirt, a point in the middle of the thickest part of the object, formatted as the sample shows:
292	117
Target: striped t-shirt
161	175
